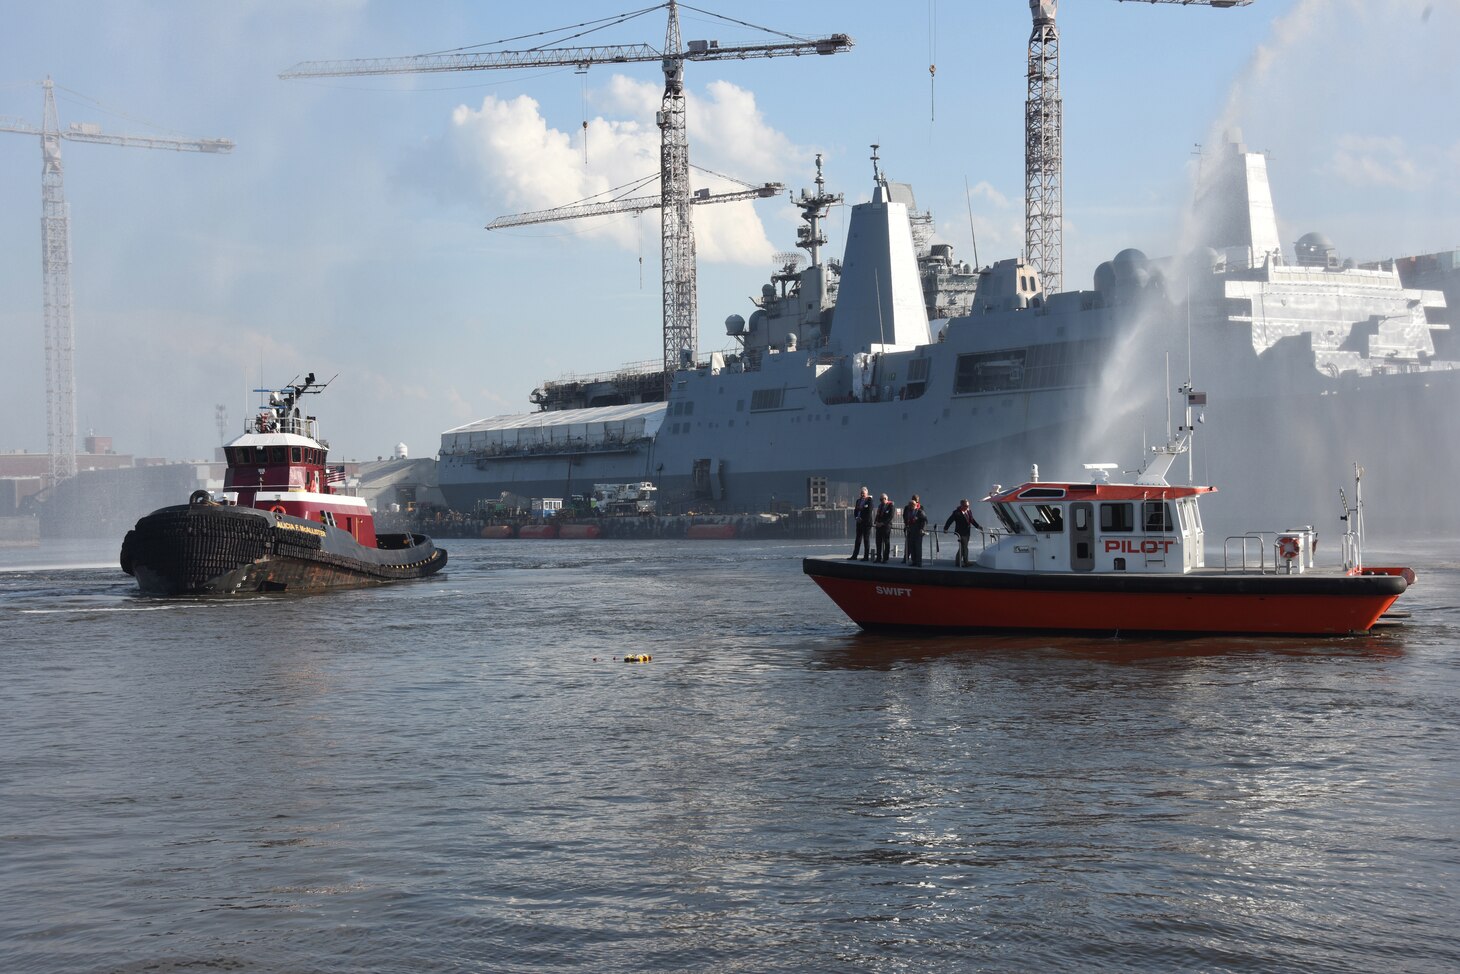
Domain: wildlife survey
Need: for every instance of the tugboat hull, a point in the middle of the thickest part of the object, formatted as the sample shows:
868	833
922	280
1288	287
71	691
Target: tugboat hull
208	549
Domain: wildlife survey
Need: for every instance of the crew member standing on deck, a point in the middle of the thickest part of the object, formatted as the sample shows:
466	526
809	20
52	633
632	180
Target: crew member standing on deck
914	521
862	515
963	525
886	511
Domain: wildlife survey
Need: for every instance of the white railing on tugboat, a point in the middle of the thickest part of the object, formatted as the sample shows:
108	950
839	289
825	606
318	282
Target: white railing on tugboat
270	422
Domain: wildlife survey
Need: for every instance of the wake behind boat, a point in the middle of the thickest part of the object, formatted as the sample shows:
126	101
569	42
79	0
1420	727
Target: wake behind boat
1104	557
279	525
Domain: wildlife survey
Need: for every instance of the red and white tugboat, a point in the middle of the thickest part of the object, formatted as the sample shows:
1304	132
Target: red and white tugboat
279	524
1103	557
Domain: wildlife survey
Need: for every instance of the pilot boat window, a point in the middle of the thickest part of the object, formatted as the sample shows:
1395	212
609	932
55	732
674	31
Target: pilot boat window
1011	523
1082	518
1045	518
1156	516
276	454
1117	517
295	454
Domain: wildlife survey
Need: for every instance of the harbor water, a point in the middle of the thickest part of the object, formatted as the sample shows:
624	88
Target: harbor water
463	774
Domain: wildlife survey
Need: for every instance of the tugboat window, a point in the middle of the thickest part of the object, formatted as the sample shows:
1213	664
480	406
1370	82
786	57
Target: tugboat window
294	454
1117	517
276	454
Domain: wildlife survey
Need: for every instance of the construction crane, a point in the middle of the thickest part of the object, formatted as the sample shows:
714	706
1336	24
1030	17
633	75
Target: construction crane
56	266
681	329
1043	137
630	204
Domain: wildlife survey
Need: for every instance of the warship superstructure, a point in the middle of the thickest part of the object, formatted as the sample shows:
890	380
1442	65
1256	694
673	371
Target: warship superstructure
907	370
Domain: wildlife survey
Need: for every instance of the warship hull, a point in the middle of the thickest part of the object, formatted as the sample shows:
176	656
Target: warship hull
1306	366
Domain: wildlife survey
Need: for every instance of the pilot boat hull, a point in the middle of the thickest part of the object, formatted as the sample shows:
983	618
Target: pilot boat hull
208	549
894	597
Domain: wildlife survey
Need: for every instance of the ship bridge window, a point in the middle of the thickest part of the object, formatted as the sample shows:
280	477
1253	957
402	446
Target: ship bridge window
1156	515
276	454
1117	517
1044	492
1045	518
295	454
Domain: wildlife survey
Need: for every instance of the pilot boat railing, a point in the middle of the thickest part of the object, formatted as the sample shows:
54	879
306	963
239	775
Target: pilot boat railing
1250	551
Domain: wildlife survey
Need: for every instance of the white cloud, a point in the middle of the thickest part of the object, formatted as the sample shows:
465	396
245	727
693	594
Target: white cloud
520	162
1377	161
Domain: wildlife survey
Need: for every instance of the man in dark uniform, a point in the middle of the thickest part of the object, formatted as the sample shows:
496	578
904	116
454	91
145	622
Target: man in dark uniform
886	510
963	525
862	516
914	521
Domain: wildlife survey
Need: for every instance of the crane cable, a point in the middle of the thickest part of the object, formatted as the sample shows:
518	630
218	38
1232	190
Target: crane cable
932	60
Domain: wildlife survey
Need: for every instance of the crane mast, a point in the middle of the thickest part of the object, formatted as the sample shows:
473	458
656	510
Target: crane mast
56	289
1043	151
676	226
681	330
60	329
1043	141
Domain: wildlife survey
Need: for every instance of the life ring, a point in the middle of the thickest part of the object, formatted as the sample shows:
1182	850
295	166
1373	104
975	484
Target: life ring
1288	547
277	509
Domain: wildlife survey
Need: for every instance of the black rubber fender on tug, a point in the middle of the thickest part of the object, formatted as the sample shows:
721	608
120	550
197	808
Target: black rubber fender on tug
205	548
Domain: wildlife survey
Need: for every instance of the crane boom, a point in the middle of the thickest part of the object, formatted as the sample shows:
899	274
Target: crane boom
481	61
630	204
74	134
576	57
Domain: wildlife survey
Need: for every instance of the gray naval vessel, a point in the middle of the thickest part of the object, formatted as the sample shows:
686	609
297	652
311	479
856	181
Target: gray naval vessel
907	370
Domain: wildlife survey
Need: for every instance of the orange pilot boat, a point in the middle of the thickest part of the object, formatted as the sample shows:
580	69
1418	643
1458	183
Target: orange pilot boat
1112	557
281	523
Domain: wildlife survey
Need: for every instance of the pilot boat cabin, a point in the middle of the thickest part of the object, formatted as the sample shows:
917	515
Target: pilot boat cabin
1097	527
278	465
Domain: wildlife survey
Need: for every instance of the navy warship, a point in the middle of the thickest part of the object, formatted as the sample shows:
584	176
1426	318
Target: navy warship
908	370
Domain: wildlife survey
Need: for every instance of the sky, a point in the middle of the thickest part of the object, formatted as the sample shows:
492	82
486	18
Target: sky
345	233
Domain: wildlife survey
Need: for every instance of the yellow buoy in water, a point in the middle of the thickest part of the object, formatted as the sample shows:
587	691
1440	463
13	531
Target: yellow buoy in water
637	658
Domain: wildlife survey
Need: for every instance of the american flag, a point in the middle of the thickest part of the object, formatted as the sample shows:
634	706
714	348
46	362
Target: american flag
334	475
1196	398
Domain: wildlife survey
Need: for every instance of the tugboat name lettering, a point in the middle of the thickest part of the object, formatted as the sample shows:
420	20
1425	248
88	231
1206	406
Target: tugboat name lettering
1147	547
891	590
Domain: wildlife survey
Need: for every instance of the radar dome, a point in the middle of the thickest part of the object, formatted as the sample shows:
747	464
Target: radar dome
1315	250
1131	267
401	452
734	325
1105	277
